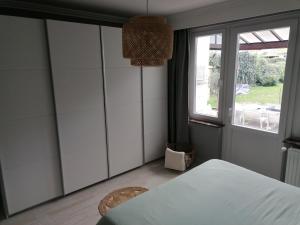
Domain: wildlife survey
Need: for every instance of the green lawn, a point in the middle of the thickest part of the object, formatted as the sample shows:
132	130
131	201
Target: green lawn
257	94
213	101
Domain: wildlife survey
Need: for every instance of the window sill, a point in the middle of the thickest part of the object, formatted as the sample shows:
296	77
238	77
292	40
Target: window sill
206	123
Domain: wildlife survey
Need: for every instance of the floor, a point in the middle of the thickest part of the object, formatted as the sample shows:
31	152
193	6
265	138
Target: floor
81	208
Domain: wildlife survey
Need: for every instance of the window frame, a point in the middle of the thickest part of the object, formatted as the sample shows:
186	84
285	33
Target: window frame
233	57
194	33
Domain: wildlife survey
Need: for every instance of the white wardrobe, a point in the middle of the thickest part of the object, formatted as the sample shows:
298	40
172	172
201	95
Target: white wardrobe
73	111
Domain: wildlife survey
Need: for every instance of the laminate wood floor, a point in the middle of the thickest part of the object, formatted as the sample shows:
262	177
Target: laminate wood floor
81	208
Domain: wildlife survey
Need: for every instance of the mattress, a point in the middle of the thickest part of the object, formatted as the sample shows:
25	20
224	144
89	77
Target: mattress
214	193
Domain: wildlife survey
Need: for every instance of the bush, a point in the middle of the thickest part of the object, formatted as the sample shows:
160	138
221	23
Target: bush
281	79
267	81
252	69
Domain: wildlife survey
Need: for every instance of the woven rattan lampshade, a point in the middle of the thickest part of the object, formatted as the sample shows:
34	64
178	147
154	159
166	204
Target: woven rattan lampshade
147	40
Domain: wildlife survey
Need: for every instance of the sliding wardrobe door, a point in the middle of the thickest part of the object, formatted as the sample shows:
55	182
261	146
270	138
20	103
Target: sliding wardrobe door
75	52
155	111
28	139
124	105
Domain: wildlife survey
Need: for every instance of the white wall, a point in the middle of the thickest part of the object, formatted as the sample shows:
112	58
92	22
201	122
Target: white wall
229	11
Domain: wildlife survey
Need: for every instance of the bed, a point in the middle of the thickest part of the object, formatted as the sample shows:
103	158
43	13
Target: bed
214	193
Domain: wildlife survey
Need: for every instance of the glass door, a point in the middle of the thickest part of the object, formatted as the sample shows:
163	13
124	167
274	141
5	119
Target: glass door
258	95
259	78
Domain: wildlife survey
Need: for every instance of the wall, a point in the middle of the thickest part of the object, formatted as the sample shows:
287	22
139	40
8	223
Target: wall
206	140
230	11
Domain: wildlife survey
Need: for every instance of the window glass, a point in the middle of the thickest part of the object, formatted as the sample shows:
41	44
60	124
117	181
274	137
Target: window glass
259	81
208	53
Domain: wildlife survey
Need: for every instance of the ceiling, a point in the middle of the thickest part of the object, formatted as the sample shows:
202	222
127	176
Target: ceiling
131	7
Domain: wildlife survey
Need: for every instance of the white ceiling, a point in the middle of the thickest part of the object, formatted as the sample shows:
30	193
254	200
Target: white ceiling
132	7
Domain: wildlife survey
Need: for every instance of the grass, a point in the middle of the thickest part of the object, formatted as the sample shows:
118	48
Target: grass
213	101
256	95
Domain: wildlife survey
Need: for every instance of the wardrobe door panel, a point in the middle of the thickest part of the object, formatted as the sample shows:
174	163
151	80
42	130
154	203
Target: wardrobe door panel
78	90
123	86
30	166
112	47
23	43
155	111
82	143
28	138
25	93
124	105
124	119
78	45
75	52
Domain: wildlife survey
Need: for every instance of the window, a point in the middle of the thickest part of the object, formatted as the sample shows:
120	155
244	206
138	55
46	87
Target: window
259	78
205	75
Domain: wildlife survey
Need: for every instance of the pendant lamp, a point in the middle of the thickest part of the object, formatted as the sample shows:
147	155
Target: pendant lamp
147	40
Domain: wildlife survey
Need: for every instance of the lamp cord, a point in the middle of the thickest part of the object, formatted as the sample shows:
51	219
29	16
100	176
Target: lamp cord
147	7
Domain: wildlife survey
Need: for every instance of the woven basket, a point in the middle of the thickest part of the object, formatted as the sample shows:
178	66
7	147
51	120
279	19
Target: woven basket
190	153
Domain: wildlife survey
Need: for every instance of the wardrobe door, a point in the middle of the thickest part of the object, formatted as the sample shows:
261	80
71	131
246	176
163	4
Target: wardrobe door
155	111
75	52
28	138
124	117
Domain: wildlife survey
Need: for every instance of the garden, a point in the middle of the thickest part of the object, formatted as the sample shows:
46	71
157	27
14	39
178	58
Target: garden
261	71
